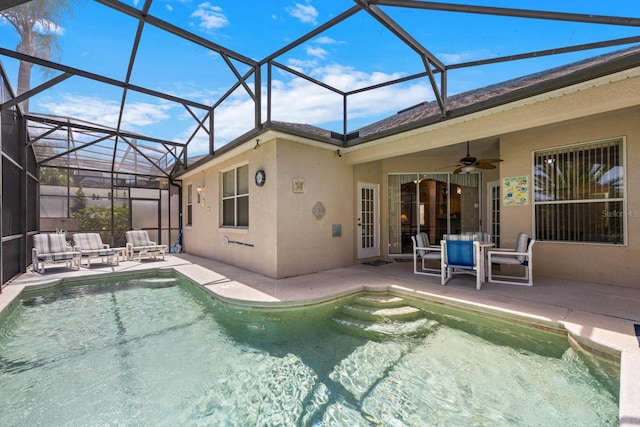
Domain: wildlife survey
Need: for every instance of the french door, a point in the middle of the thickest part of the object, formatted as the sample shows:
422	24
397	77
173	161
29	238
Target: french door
434	203
493	211
368	224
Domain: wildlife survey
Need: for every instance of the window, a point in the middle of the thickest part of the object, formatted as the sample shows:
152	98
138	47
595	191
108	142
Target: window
235	197
189	204
579	193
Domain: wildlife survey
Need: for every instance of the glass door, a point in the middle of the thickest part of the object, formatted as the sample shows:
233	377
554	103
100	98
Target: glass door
368	220
436	204
145	215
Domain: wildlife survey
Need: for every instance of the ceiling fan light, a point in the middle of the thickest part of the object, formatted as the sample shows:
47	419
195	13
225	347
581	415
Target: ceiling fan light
469	168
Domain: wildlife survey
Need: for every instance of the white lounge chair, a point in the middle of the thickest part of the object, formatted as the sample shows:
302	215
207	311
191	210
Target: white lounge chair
52	248
424	252
521	255
90	246
138	243
461	254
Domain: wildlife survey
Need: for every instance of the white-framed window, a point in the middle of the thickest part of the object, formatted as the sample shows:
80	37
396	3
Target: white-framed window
579	193
235	197
189	204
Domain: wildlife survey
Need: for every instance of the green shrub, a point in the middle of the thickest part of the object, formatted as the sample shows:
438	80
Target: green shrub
98	219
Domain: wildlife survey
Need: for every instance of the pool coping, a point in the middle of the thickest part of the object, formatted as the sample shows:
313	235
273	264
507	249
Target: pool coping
603	335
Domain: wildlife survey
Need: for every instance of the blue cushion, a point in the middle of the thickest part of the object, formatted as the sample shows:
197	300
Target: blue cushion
460	253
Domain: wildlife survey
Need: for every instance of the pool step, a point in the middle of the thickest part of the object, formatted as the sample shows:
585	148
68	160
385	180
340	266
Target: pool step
378	316
403	312
383	300
378	329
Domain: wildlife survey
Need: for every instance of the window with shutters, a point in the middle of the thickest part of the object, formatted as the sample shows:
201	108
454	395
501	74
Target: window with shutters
579	193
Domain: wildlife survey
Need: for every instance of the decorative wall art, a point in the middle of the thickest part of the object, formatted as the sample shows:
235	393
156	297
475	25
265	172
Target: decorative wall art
298	185
515	191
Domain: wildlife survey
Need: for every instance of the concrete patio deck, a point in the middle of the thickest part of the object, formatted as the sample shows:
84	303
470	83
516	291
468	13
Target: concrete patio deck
600	317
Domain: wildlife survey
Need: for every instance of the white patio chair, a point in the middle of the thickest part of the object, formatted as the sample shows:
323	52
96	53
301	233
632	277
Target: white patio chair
138	243
90	246
461	254
480	236
521	255
52	248
424	252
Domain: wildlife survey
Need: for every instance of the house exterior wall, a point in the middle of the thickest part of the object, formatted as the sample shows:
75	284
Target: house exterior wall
205	237
284	237
599	263
305	242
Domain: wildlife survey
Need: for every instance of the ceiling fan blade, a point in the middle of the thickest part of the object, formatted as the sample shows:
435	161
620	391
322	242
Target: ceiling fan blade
457	170
489	160
485	166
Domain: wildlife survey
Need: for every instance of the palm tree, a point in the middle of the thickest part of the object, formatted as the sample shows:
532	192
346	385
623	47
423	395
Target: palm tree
37	23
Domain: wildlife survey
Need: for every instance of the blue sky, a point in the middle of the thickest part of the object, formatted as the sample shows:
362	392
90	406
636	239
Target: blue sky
356	53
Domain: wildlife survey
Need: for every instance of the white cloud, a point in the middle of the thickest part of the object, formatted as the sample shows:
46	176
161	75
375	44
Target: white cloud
48	27
102	111
453	58
169	8
297	100
293	100
313	101
301	65
304	13
317	52
457	58
347	78
325	40
211	16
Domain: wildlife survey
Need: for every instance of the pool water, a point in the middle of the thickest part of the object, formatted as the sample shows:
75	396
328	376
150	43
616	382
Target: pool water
160	352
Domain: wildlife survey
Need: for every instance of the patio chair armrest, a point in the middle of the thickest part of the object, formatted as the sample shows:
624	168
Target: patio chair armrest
429	248
506	252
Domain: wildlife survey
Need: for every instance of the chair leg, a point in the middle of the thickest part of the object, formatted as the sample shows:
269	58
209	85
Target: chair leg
446	275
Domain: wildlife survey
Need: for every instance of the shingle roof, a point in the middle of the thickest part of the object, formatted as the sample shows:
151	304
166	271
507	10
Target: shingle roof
508	91
475	100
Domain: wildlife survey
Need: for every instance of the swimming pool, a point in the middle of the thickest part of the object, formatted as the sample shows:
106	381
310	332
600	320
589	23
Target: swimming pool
160	351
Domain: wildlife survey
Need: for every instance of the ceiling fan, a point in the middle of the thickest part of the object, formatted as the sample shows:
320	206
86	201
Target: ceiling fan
469	163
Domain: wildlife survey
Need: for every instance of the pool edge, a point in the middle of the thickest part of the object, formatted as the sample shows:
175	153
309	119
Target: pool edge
572	322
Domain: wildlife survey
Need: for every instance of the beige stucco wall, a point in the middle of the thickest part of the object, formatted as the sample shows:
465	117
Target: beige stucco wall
617	265
306	244
285	237
205	237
